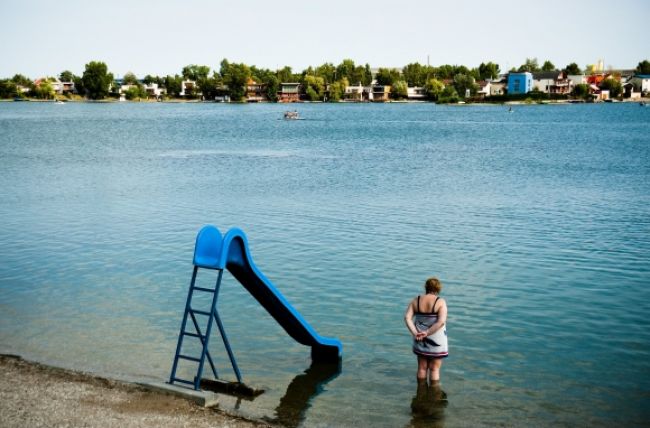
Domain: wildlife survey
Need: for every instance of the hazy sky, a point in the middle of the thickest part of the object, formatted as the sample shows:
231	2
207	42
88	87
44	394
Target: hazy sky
39	37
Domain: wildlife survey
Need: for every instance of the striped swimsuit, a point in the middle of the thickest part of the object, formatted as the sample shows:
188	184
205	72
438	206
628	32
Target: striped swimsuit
435	345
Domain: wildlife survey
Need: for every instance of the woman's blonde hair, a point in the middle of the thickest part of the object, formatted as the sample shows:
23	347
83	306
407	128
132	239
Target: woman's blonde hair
433	285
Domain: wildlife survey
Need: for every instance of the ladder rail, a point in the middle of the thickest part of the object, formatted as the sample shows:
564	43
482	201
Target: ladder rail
179	344
208	330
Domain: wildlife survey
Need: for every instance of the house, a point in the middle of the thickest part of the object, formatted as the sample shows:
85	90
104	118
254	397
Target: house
641	83
416	93
520	83
497	88
577	79
357	93
552	82
380	93
483	88
255	92
189	88
154	91
629	92
289	92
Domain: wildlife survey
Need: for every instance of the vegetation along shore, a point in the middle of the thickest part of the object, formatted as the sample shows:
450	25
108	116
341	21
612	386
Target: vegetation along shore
347	81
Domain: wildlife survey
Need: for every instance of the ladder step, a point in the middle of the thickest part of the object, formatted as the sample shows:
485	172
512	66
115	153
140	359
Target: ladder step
200	336
208	290
186	357
182	381
196	311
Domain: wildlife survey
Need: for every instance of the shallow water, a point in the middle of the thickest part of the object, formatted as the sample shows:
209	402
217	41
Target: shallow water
538	223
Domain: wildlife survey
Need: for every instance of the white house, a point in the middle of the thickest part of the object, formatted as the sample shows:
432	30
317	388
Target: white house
189	87
416	93
577	79
153	90
641	83
552	82
497	88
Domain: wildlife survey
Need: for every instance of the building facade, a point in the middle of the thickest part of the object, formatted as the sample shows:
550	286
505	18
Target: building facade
520	83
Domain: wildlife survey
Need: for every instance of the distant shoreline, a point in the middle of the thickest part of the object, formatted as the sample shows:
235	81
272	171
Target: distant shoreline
185	101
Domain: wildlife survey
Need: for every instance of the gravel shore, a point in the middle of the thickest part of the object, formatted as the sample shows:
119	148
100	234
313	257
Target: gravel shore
35	395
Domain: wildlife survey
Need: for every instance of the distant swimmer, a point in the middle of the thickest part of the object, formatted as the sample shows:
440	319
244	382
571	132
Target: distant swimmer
428	330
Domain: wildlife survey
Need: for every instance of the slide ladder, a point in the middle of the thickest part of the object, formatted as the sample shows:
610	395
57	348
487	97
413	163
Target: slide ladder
217	253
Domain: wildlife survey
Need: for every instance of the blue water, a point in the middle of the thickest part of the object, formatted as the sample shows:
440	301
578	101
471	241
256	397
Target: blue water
537	222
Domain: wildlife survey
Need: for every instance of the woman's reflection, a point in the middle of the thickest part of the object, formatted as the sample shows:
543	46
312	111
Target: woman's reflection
428	405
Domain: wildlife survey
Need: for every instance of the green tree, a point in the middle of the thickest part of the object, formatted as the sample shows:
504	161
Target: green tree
346	69
43	90
285	75
7	89
236	78
327	71
613	86
314	87
272	85
130	79
488	70
643	67
386	76
173	85
79	85
448	95
399	90
414	74
337	89
580	90
195	72
97	80
21	80
464	82
135	92
67	76
530	65
367	75
433	88
572	69
548	66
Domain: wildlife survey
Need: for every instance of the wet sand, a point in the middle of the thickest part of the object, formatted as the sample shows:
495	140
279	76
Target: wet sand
36	395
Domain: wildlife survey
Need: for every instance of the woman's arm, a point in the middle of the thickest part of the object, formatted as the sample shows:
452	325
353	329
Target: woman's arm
442	318
408	319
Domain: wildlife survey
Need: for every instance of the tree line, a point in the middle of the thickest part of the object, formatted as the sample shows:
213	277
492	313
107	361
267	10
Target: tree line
441	83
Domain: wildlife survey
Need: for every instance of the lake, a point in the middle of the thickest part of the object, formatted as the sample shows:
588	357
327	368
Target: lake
536	221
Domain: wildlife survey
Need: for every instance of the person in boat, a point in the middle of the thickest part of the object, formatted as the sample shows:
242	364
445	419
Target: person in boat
291	114
426	320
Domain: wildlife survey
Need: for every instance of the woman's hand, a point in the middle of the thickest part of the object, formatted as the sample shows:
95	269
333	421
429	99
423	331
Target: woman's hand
420	335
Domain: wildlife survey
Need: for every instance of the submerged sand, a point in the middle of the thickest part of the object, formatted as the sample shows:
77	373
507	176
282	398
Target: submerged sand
35	395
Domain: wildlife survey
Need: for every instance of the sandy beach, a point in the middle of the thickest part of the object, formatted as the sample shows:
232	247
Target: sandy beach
36	395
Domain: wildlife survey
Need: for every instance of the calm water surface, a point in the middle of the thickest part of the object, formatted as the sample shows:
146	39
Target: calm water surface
538	223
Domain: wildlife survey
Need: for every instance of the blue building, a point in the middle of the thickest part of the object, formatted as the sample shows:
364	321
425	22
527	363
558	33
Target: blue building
520	83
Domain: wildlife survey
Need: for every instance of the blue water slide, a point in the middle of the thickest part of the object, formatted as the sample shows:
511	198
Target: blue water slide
231	252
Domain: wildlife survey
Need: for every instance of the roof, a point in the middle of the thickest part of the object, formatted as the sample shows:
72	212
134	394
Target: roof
546	75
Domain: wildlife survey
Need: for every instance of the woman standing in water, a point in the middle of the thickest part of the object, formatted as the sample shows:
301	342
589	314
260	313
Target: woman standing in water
429	330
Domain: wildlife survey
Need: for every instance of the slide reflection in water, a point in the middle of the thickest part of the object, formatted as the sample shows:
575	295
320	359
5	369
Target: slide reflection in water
301	392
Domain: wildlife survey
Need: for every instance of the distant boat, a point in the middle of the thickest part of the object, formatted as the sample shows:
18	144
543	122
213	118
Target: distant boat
510	110
291	115
642	104
58	102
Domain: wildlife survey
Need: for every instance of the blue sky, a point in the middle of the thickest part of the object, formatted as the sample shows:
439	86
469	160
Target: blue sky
160	37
